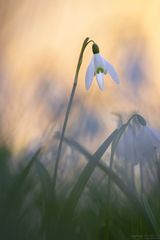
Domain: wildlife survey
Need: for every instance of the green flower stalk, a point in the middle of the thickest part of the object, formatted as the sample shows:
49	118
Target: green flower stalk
85	43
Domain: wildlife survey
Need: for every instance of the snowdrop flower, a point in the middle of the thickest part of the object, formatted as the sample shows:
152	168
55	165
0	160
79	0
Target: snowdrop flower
99	67
148	142
138	143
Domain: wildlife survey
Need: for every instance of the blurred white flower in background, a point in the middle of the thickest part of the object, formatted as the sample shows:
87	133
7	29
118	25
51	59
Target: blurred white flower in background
99	67
138	143
147	143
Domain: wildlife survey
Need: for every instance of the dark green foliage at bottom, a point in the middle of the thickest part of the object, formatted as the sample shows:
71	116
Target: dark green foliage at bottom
31	210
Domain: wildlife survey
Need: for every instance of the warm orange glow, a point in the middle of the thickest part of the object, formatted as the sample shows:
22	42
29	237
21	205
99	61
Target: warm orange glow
40	43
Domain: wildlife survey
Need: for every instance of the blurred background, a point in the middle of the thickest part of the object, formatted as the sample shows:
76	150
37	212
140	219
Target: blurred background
40	43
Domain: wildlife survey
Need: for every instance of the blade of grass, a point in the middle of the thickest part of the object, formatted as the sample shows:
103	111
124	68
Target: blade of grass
21	177
45	179
49	211
78	188
15	191
150	215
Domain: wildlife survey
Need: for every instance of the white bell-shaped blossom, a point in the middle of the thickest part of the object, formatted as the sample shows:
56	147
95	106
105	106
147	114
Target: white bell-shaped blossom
99	67
147	143
138	143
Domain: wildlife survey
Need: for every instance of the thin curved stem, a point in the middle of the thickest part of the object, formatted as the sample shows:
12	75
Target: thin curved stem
85	43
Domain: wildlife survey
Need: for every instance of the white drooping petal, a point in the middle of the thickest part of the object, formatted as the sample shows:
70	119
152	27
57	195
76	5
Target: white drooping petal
149	141
110	69
100	81
98	61
155	137
89	74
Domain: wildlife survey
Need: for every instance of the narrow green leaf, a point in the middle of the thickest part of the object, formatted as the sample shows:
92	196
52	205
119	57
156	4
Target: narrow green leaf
19	181
45	179
85	175
49	214
16	189
150	215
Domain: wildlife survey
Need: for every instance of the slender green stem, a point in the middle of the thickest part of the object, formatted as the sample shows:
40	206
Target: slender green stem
85	43
109	179
108	201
